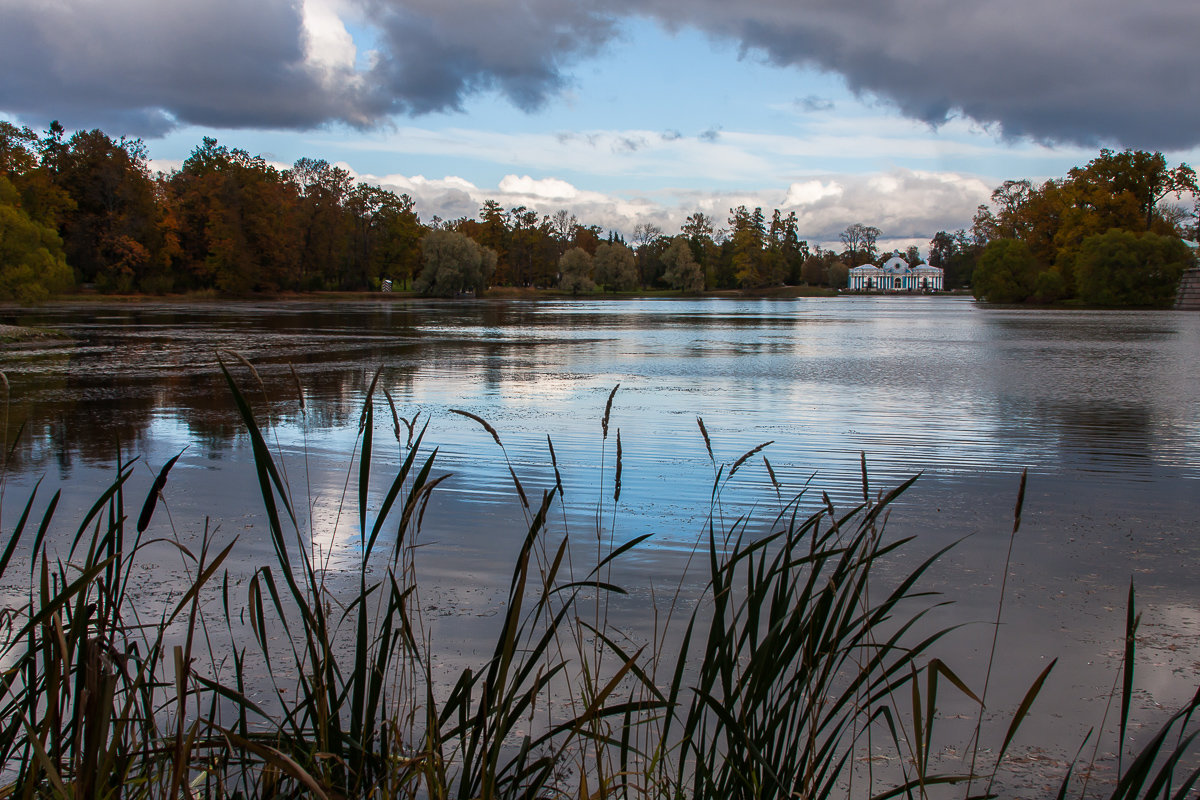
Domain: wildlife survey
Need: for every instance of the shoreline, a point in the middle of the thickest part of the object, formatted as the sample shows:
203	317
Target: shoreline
498	293
18	334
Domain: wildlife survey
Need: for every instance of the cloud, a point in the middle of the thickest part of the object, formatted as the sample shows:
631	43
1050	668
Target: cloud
145	66
810	193
433	54
908	206
1078	71
813	103
904	204
546	189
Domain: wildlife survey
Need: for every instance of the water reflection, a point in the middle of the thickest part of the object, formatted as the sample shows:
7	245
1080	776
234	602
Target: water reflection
932	384
1102	407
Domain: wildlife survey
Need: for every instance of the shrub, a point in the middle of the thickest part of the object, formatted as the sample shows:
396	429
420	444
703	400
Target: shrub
1120	268
1006	272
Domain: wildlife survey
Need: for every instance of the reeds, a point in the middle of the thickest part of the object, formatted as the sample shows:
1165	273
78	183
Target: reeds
795	665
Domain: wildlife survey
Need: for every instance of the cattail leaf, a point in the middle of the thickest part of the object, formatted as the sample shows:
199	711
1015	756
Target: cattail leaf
554	460
152	498
299	386
617	487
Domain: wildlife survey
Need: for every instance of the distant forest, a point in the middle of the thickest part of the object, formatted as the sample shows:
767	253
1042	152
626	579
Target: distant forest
87	211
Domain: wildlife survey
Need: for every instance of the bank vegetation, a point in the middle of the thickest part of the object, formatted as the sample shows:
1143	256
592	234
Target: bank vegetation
85	211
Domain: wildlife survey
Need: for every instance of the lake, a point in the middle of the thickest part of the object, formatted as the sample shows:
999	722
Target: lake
1101	407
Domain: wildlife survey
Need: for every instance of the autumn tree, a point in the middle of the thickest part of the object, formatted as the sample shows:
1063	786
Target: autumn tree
954	254
786	250
824	268
562	225
397	253
1141	176
110	232
237	221
532	250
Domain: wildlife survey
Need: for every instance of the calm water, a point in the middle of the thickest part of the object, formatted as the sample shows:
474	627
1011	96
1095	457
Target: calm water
1103	408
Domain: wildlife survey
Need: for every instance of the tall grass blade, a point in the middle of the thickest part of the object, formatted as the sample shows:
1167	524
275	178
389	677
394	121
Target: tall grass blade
707	441
1127	667
608	410
482	422
1019	717
748	454
617	481
155	490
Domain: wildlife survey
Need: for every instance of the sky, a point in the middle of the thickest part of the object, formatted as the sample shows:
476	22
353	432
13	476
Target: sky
902	114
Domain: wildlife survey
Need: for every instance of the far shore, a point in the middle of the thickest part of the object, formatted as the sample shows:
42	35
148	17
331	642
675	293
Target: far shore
497	293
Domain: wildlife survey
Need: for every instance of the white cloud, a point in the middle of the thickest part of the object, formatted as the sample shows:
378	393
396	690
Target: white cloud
546	188
327	42
811	192
908	206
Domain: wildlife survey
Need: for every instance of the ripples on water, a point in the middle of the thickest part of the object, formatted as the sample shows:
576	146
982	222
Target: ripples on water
1103	408
916	384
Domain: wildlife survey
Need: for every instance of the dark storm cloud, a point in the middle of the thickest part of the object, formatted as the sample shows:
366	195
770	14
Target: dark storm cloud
1082	71
435	53
146	65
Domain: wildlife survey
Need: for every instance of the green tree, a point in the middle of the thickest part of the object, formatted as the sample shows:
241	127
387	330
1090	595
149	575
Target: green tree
1120	268
326	223
397	254
41	198
615	267
682	273
1006	272
575	271
753	265
788	250
648	244
452	263
824	268
32	264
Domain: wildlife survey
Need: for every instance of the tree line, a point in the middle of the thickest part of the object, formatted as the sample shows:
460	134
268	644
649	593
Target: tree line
87	210
1108	234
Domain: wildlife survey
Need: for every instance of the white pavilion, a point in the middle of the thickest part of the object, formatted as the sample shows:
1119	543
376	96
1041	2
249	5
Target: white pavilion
895	276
